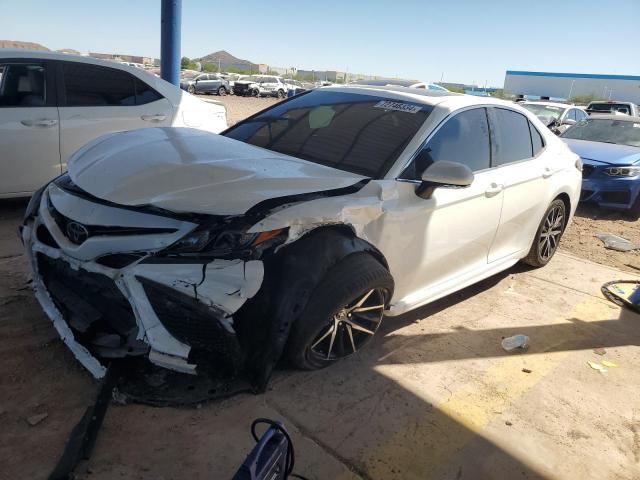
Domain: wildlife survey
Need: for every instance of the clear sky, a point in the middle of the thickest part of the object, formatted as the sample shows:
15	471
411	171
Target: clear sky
456	40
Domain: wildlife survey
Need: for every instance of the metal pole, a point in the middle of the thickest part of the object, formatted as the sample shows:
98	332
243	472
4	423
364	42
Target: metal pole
571	89
170	23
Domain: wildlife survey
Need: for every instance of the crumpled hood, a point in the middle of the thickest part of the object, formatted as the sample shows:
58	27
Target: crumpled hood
188	170
609	153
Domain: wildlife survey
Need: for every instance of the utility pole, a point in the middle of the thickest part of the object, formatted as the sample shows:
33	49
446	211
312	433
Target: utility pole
571	89
170	24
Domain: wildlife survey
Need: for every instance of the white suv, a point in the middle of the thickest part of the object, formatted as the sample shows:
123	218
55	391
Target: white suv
296	230
261	86
52	104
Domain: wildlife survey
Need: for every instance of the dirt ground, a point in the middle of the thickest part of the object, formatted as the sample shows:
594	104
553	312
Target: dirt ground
580	238
433	397
239	108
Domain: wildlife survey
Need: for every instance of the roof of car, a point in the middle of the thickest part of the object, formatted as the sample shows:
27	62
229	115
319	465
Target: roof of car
428	97
623	118
551	104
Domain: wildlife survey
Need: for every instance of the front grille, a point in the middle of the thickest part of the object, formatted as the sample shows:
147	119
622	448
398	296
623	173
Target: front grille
119	260
587	170
616	197
240	89
195	324
91	303
64	222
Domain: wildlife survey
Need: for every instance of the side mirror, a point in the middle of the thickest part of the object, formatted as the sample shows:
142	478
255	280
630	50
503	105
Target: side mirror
568	121
444	174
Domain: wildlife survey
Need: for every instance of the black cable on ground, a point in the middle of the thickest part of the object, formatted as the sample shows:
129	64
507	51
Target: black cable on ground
291	460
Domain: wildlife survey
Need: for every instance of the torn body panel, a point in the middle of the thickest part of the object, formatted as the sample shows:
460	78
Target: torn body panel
64	273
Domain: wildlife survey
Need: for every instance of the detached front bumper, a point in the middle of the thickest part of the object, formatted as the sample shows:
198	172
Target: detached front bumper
110	296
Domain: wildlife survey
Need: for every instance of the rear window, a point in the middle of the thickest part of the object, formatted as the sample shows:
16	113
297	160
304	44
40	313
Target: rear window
610	108
362	134
92	85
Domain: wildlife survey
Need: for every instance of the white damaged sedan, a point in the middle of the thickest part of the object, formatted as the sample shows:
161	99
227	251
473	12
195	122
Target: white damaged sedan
297	230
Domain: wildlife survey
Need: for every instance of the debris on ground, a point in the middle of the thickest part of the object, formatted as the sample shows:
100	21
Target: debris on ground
33	420
517	341
526	370
597	366
599	351
614	242
625	293
508	423
609	364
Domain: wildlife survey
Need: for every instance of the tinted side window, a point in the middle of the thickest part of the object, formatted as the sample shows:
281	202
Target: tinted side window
536	139
88	85
512	135
464	138
145	94
22	85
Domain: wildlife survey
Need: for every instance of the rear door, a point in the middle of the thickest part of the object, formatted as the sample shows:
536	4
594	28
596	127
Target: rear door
29	123
95	100
522	172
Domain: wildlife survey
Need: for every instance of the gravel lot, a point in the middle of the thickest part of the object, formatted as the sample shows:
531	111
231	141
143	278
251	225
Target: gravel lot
239	108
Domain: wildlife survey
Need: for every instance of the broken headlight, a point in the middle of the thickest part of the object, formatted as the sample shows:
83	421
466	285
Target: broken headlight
216	241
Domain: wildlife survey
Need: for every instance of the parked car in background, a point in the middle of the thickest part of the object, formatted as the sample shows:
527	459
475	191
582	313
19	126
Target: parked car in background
52	104
609	146
296	230
297	86
261	86
232	77
557	116
401	83
206	83
605	107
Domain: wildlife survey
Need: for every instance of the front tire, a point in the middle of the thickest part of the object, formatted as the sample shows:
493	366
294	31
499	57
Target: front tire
222	91
342	314
255	93
548	235
191	89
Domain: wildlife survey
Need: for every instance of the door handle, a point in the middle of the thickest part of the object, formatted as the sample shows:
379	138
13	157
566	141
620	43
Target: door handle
44	122
158	117
493	190
548	172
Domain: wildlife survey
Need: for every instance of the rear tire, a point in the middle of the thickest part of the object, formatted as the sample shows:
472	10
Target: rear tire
280	93
342	314
548	235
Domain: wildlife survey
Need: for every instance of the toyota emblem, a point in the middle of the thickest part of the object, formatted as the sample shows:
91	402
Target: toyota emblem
76	232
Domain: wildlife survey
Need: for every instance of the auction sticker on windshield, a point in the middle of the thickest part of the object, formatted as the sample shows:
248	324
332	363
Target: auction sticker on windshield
399	106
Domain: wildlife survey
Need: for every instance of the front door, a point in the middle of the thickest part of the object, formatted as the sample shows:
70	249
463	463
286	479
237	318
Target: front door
29	127
446	238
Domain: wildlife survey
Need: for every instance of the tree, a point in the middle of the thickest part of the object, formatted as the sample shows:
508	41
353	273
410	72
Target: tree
187	64
210	67
584	99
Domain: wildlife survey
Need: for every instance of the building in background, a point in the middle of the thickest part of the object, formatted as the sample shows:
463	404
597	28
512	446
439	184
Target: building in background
118	57
567	85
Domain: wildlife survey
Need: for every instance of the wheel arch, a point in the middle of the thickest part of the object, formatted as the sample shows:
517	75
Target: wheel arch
567	205
291	274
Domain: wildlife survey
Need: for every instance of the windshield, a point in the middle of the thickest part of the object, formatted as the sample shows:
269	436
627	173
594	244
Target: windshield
362	134
609	108
548	111
606	130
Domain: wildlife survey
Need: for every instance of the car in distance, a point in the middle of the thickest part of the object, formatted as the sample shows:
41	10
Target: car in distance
52	104
206	83
261	86
608	107
609	146
557	116
296	230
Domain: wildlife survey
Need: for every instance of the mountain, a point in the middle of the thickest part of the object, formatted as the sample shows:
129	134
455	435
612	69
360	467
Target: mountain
17	44
227	60
69	51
